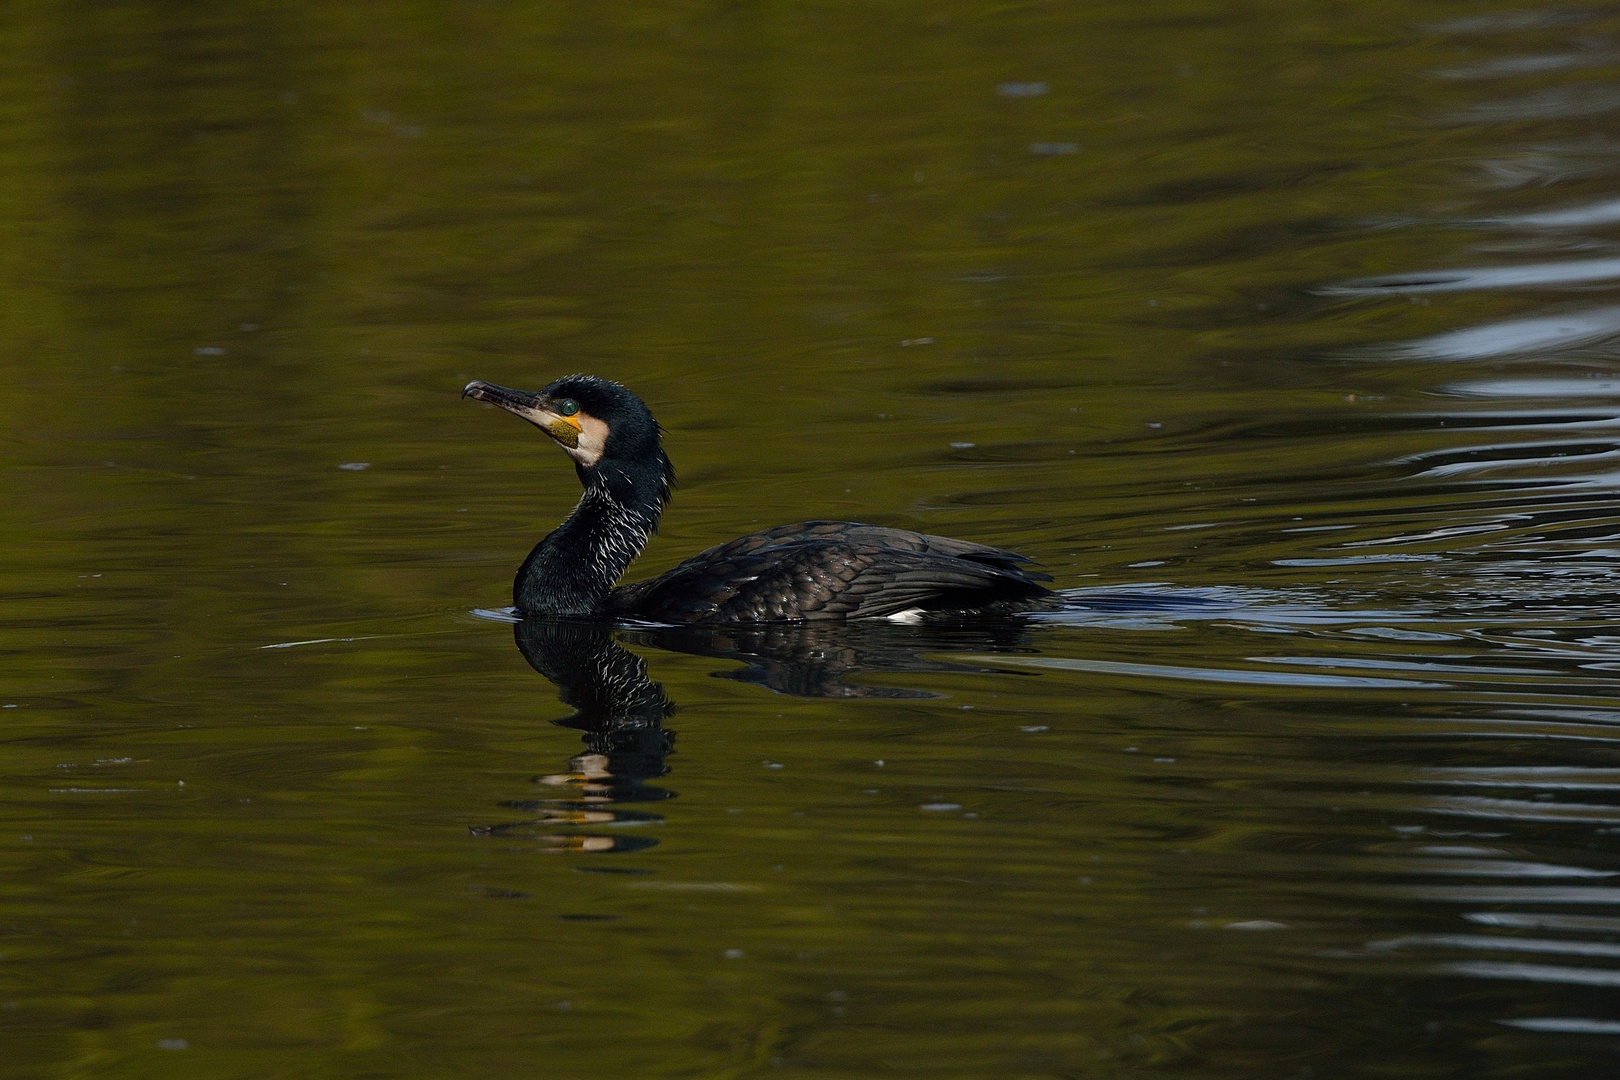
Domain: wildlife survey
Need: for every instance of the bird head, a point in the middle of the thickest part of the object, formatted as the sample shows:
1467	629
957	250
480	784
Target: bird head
606	429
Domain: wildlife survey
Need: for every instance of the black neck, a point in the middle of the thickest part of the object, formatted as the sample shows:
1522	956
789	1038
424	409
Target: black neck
572	570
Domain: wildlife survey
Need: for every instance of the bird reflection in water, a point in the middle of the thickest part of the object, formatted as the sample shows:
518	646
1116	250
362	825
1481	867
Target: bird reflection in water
621	710
820	660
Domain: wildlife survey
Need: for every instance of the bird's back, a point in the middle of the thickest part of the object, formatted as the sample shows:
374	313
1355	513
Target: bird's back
832	570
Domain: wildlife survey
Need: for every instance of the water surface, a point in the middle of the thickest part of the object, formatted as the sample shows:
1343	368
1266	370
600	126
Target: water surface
1285	339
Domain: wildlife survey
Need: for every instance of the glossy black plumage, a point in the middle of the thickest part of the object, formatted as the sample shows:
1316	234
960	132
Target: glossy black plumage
814	570
829	570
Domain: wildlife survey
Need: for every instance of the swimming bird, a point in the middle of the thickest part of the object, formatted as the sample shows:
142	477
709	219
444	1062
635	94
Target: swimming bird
813	570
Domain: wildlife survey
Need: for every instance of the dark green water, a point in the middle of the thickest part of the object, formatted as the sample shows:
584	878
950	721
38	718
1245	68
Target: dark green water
1285	336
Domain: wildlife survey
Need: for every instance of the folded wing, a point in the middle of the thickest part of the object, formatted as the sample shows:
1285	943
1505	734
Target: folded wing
831	570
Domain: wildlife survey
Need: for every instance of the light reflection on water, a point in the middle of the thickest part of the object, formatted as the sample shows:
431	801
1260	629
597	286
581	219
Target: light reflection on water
1530	337
1573	272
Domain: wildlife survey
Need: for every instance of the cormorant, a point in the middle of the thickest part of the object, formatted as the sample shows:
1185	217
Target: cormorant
812	570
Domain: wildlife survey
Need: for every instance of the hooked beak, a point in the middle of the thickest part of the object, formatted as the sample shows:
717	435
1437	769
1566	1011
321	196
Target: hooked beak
530	406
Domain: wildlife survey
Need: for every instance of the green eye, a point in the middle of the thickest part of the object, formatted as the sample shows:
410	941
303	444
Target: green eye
568	408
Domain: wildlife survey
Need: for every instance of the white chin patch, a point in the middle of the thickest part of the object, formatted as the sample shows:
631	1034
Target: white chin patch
910	617
593	435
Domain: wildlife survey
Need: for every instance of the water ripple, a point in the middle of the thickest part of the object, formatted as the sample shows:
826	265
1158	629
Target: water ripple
1554	103
1513	66
1604	924
1519	810
1524	276
1603	212
1215	675
1495	868
1570	1025
1549	333
1528	389
1155	605
1485	969
1502	944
